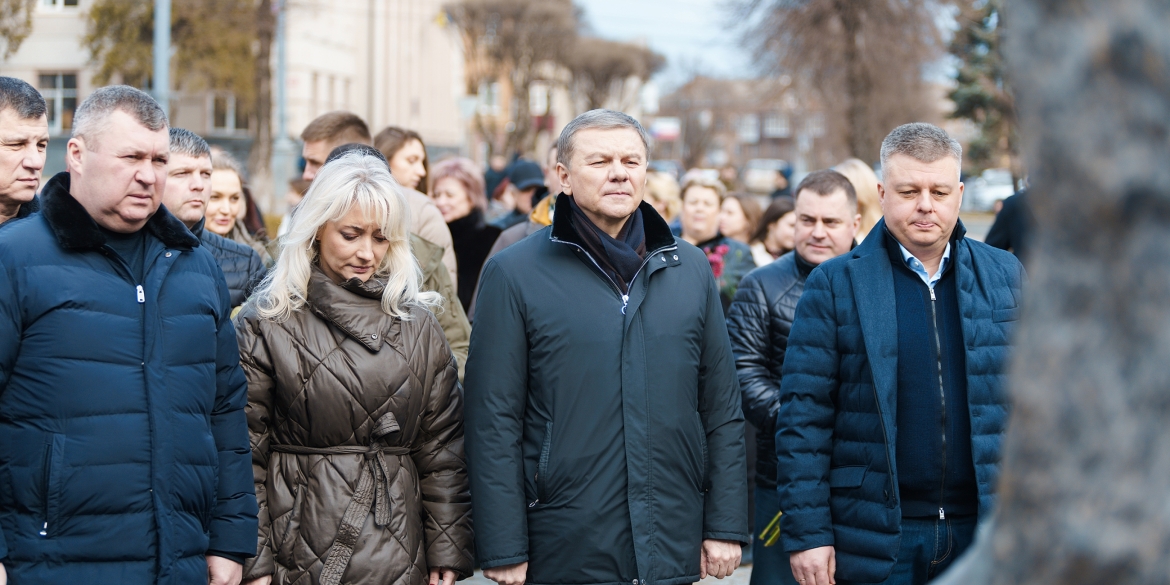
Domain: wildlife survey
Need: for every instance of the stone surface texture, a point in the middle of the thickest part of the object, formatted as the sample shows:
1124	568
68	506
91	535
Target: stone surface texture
1085	490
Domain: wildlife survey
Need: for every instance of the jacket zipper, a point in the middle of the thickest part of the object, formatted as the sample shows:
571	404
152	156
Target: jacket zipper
625	297
942	515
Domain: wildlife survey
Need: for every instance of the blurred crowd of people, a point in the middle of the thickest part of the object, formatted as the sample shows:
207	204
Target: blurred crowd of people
314	405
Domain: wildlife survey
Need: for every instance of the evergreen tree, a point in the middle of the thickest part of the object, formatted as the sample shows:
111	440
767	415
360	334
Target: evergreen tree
983	94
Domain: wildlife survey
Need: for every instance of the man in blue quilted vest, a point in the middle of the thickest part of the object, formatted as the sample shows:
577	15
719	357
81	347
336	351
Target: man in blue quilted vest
124	454
893	401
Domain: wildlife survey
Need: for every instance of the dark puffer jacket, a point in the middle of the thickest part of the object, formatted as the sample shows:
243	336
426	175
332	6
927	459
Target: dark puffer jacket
835	441
356	421
242	267
605	435
758	323
123	441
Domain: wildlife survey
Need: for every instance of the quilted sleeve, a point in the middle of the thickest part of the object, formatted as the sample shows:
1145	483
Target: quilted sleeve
725	509
10	334
804	442
748	322
257	366
233	523
442	467
255	273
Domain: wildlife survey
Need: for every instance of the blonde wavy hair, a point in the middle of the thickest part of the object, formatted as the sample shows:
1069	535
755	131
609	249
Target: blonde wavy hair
353	179
865	184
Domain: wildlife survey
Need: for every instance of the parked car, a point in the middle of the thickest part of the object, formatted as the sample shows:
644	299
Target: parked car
984	191
759	174
674	168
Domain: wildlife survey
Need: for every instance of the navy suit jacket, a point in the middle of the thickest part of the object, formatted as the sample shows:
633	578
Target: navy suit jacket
836	429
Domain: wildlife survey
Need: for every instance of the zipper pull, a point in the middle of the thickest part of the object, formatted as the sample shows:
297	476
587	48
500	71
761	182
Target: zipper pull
533	504
625	301
141	294
942	515
45	529
932	293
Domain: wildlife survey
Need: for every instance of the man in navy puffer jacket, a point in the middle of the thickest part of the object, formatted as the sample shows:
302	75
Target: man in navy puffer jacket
188	190
124	454
893	406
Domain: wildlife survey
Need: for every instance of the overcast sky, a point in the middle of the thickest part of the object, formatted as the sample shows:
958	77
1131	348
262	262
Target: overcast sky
694	35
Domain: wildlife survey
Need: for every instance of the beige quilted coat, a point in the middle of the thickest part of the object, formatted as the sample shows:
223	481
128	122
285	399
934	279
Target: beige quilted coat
356	422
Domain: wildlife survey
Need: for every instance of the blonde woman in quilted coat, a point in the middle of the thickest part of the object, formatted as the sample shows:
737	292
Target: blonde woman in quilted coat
354	409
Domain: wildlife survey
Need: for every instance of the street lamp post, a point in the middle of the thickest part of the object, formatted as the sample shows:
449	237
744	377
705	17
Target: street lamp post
283	149
162	54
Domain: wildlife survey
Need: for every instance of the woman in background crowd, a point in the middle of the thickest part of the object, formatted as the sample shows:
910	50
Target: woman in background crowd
407	154
457	190
776	232
231	212
730	260
662	192
739	217
354	412
865	183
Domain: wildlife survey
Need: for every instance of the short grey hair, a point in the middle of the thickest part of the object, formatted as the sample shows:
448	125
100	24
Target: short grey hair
184	141
922	142
597	120
93	113
20	97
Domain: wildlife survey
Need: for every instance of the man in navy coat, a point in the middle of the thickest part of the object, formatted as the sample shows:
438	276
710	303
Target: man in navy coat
124	454
888	440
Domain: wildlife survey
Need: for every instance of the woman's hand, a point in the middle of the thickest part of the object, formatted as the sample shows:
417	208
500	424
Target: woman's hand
448	576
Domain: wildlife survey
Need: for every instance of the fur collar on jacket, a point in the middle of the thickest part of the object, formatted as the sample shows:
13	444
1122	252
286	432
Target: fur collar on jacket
76	230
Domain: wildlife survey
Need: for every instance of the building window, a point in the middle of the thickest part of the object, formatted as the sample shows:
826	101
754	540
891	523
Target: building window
60	92
776	126
816	125
58	4
226	115
748	128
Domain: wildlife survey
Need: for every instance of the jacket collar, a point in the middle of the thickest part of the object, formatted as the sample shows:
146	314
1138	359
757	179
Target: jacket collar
802	265
658	234
27	209
74	229
353	306
875	242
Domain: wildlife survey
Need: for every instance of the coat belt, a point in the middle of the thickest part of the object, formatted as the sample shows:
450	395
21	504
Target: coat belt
372	492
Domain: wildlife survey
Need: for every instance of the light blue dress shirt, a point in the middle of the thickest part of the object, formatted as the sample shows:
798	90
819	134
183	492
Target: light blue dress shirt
920	270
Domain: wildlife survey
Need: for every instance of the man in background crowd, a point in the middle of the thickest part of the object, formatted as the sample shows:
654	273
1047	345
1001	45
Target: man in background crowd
24	138
188	189
759	321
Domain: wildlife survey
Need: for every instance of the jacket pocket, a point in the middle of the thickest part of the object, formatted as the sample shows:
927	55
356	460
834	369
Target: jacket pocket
1005	315
54	461
846	477
283	544
542	463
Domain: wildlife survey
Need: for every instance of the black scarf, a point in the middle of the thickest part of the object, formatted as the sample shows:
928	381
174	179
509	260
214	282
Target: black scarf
620	258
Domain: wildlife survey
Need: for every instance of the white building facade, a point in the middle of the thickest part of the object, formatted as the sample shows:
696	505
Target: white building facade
393	62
